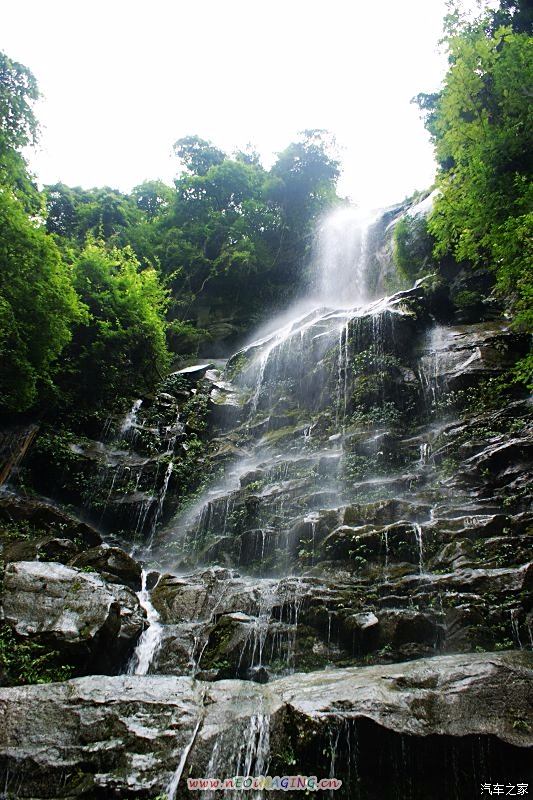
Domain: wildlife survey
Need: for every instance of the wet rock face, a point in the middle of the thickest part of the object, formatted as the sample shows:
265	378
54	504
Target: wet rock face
46	519
131	475
91	623
377	465
330	595
88	737
112	563
461	355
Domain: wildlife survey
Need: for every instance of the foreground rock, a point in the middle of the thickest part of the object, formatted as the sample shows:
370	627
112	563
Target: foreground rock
124	736
92	624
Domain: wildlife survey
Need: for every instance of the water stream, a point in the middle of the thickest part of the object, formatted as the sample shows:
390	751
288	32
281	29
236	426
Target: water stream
150	639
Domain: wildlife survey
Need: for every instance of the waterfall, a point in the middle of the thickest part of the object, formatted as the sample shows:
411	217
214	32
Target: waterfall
325	542
342	257
246	754
287	374
150	639
420	545
330	366
130	420
515	625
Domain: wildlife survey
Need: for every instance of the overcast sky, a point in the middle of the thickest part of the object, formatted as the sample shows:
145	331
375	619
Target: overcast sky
122	80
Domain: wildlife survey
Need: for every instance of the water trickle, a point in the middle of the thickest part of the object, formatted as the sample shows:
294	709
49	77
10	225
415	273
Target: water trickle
259	627
436	365
330	617
257	755
130	420
308	430
515	625
385	537
174	782
161	500
150	639
312	521
334	736
245	754
294	605
425	454
343	369
420	545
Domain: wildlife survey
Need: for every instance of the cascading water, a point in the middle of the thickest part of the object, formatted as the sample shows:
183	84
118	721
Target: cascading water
324	477
279	381
150	639
328	539
130	420
342	256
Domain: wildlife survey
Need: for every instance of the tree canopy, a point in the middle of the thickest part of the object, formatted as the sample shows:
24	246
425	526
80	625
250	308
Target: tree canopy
118	349
113	279
38	306
229	239
482	125
80	322
18	128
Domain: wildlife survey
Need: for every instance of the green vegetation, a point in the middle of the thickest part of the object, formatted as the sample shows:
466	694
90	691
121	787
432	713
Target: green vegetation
413	247
481	123
76	324
229	239
98	287
28	662
38	305
18	129
124	329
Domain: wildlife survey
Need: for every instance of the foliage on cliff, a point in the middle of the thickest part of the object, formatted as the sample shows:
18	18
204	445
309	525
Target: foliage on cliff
123	332
481	123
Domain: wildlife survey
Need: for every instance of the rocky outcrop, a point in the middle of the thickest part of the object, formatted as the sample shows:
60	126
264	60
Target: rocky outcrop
372	506
112	563
131	475
125	736
41	516
91	623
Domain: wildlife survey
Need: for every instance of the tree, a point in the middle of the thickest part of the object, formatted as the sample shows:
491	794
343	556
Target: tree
119	350
482	126
18	92
76	213
18	128
38	306
153	198
307	172
516	13
198	155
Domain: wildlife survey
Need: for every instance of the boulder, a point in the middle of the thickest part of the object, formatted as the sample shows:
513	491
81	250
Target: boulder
113	564
90	622
45	548
139	736
193	373
385	512
199	596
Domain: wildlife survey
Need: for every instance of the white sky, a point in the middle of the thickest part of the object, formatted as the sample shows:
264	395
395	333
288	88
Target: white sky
122	80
